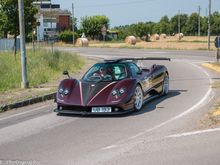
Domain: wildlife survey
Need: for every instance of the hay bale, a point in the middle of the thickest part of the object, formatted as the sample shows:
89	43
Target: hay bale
156	36
82	42
146	37
131	40
179	36
163	36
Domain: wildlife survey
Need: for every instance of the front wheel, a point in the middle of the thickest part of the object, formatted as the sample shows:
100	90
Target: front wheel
166	85
138	98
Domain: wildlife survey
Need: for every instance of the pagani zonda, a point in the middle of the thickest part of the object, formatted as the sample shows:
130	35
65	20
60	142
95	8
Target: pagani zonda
112	87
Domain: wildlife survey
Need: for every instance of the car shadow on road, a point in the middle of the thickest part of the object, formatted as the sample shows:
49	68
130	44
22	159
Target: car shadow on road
152	105
147	107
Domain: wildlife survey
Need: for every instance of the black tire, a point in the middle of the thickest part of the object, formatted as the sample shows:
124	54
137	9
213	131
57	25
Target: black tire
165	89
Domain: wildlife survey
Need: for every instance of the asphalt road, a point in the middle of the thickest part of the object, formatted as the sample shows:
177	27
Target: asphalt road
166	131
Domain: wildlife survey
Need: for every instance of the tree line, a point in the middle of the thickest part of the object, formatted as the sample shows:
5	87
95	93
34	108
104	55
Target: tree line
91	25
189	25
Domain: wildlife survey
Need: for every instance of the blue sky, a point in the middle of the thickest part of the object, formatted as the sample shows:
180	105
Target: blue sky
121	12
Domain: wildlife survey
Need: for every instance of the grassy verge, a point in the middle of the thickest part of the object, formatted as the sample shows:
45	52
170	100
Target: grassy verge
43	66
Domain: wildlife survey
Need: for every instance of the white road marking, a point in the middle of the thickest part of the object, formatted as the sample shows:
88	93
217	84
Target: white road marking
22	113
157	52
193	133
207	98
207	74
109	147
170	136
199	104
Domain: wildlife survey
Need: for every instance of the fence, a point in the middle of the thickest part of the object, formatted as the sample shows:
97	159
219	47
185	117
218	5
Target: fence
8	44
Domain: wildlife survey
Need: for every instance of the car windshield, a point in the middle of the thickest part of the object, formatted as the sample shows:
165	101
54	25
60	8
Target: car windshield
106	72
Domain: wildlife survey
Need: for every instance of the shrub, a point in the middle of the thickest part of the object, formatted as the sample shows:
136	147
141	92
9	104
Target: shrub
67	36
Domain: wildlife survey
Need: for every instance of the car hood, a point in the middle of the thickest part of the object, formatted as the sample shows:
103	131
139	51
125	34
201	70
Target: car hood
93	93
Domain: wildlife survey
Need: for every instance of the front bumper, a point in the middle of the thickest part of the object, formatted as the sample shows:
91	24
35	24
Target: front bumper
73	112
87	110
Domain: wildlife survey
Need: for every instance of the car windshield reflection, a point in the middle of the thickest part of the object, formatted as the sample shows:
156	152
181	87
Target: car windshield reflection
106	72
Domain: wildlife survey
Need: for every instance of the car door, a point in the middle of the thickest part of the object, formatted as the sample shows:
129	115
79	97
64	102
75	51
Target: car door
156	75
143	76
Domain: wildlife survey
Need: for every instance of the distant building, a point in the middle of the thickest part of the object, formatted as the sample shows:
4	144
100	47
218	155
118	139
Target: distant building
51	19
112	35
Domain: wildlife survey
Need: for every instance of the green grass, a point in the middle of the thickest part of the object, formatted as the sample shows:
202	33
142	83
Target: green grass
43	66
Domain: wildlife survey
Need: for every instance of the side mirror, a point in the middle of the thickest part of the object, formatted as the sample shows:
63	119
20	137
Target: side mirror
140	71
65	72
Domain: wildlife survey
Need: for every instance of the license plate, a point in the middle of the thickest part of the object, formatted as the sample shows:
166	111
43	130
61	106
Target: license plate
101	109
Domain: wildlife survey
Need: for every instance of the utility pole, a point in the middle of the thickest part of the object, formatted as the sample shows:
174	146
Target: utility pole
209	22
179	23
199	21
51	23
51	34
24	83
73	23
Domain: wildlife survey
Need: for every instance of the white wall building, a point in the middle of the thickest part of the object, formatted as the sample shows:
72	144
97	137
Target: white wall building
50	19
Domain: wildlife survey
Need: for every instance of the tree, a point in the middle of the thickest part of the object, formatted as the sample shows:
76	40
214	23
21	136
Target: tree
204	25
174	23
164	25
156	28
192	24
92	25
215	23
9	22
2	22
142	29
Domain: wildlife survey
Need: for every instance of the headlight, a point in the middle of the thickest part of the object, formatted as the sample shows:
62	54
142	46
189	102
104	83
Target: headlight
66	91
122	90
117	93
114	92
60	90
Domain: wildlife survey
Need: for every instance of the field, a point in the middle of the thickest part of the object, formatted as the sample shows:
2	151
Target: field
43	66
171	42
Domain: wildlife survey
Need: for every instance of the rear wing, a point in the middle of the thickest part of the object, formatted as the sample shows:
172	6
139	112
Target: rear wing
137	59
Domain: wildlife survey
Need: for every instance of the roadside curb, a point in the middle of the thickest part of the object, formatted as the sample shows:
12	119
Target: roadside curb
23	103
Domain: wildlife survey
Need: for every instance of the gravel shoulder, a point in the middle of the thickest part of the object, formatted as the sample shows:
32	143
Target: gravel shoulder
212	118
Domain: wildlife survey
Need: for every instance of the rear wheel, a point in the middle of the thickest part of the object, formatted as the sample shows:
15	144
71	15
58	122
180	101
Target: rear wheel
166	85
138	98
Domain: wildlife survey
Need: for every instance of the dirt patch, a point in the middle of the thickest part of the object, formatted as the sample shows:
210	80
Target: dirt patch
212	118
212	66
